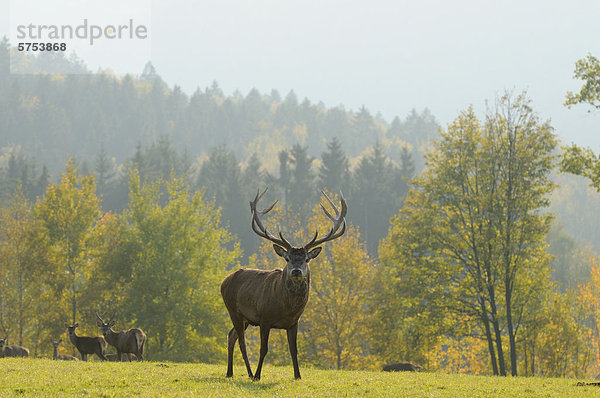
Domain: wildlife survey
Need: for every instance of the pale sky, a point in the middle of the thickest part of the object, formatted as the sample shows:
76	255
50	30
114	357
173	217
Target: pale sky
390	56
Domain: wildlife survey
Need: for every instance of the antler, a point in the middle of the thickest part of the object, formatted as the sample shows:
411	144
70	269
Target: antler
338	220
259	228
98	316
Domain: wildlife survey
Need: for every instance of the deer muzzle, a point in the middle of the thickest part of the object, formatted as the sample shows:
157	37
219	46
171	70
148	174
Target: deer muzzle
296	275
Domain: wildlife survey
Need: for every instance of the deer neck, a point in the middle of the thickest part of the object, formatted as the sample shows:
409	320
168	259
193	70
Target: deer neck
111	337
296	293
55	354
74	339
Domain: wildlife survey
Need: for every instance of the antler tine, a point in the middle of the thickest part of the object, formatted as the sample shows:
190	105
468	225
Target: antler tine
332	218
337	213
257	198
314	238
259	228
265	211
98	316
338	221
289	245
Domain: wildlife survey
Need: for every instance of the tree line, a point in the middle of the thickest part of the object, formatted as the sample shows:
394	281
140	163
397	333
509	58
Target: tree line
52	114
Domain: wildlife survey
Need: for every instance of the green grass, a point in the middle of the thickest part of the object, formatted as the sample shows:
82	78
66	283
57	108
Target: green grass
43	377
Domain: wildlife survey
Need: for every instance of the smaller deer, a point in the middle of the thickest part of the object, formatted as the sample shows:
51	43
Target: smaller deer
87	345
12	350
62	357
401	367
129	341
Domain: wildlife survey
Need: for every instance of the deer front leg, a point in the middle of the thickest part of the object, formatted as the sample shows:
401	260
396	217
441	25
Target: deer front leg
264	348
292	334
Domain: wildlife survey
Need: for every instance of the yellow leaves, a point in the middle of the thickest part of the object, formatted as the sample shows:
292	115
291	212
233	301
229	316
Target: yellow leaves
300	133
459	355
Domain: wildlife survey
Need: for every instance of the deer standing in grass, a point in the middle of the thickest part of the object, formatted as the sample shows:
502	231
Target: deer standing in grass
62	357
274	299
12	350
87	345
129	341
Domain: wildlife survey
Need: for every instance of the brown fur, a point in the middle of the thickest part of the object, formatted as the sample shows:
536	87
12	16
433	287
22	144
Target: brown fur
12	350
401	367
87	345
61	357
129	341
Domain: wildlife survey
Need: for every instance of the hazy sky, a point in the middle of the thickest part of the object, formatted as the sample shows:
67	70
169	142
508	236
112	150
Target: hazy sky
390	56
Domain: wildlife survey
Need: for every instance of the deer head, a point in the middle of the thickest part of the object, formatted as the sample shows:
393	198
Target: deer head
71	329
105	326
297	258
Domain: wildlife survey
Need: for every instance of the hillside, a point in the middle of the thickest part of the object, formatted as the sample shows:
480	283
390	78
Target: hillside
52	117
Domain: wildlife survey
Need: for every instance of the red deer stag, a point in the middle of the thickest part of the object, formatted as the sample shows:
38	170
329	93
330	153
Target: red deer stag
273	299
62	357
87	345
12	350
129	341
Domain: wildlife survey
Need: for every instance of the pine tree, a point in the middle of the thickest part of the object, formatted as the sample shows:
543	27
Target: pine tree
334	173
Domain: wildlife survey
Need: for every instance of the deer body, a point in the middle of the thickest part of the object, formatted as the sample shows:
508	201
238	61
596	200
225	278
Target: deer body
87	345
259	286
12	350
129	341
62	357
273	299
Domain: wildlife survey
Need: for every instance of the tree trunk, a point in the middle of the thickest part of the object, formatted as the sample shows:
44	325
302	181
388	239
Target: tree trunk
488	336
511	332
497	331
21	320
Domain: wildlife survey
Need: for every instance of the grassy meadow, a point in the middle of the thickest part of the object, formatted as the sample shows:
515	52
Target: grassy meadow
44	377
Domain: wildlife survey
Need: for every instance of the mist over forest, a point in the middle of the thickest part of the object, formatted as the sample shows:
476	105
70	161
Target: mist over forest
145	142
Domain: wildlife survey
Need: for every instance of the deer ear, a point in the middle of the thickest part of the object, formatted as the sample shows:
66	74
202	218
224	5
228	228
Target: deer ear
111	324
76	325
99	324
314	252
280	251
59	341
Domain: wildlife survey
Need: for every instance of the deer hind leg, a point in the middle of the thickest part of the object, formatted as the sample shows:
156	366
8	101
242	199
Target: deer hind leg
101	354
264	348
231	339
240	328
141	350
